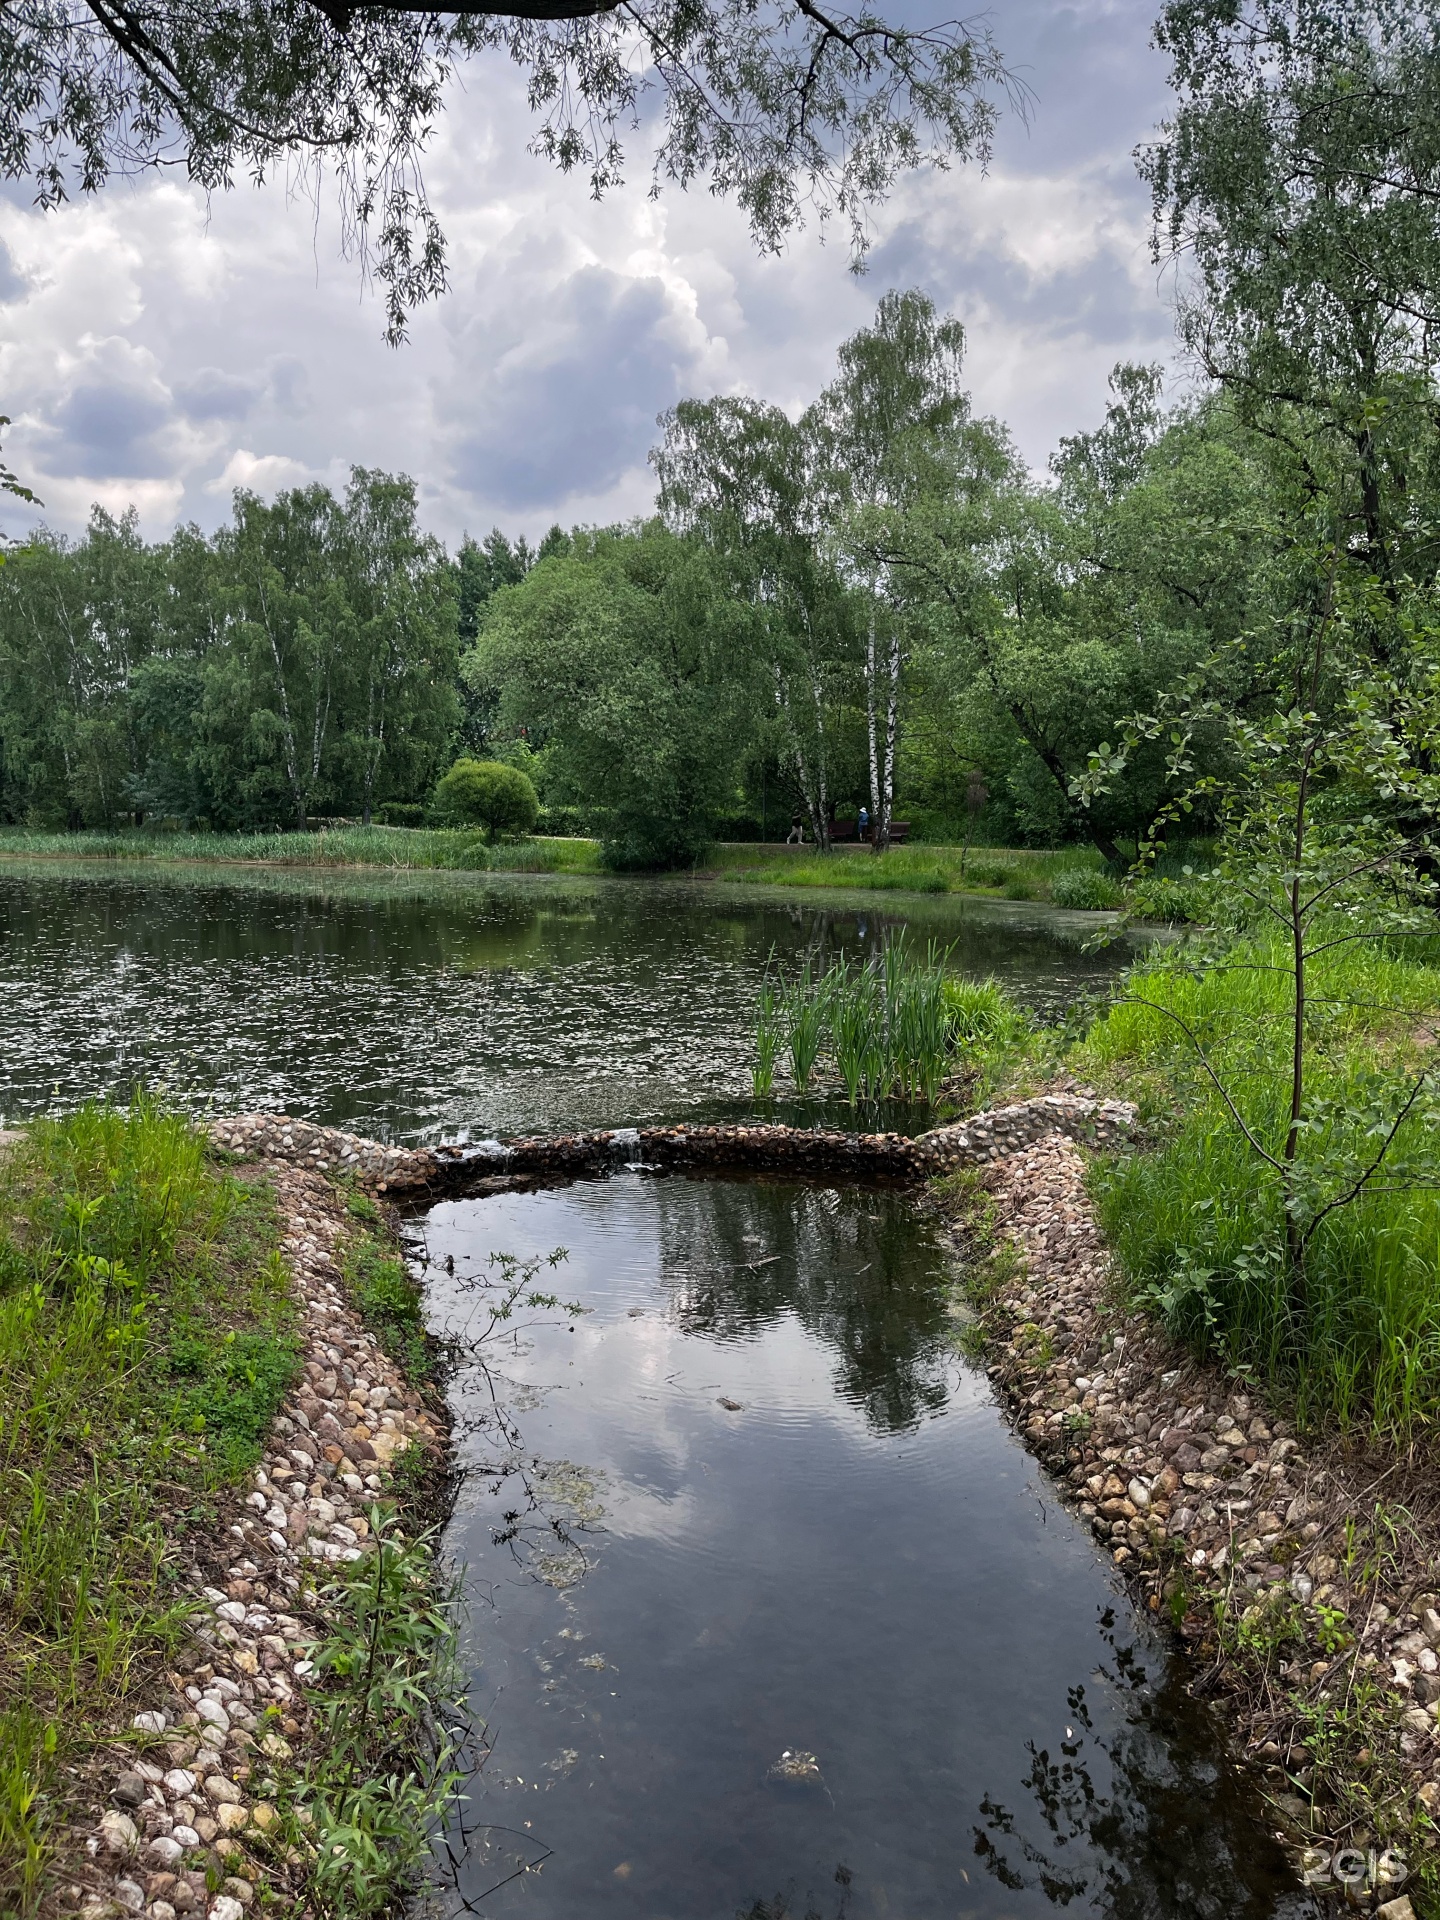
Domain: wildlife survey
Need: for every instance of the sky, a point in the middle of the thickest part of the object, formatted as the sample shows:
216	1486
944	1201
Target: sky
159	351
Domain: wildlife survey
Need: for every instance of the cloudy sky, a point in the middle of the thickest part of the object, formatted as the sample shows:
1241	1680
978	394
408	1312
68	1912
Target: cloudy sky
161	351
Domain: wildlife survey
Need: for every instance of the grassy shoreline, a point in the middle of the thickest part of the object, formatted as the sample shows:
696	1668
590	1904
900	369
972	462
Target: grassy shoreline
147	1337
1294	1574
1068	877
398	848
155	1333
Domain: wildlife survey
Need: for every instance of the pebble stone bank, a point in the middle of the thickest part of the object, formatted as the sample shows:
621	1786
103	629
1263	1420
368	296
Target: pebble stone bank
1179	1475
185	1834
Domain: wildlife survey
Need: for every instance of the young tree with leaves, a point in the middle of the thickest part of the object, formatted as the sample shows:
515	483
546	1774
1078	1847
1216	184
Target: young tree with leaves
630	668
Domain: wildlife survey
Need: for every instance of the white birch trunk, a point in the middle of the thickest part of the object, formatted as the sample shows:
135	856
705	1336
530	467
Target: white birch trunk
870	726
292	758
892	724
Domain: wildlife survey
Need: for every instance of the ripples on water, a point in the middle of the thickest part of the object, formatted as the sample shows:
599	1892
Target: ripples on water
429	1005
852	1560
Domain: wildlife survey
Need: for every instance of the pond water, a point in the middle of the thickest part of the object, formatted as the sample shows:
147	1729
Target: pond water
769	1614
442	1005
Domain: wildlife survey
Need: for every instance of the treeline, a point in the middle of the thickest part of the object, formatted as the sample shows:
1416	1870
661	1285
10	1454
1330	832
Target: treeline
875	604
301	661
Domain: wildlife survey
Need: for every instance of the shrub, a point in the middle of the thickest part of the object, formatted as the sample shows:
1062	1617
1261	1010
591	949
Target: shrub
1085	888
1159	897
402	813
488	794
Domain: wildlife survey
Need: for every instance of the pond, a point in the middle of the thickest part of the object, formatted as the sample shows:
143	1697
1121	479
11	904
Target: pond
770	1616
424	1006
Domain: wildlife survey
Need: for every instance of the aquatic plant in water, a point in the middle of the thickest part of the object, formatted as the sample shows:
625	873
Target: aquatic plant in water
806	1002
886	1025
769	1037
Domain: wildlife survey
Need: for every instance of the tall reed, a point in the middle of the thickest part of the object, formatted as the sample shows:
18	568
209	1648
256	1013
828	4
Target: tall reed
885	1025
769	1038
806	1005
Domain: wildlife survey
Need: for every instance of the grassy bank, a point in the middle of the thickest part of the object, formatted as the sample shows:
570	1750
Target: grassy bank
147	1335
1197	1224
1072	877
150	1332
419	848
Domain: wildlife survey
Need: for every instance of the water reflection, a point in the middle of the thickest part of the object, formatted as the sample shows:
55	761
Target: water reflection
444	1004
1140	1820
805	1532
846	1272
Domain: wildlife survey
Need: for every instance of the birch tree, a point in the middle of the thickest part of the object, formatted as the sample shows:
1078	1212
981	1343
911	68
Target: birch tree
890	424
745	477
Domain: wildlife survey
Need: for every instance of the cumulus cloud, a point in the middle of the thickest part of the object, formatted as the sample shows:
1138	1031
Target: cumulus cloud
160	348
565	406
110	419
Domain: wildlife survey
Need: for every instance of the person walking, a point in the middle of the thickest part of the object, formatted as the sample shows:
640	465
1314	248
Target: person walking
862	824
796	835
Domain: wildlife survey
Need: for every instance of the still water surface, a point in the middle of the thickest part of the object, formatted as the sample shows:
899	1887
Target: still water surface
853	1560
429	1005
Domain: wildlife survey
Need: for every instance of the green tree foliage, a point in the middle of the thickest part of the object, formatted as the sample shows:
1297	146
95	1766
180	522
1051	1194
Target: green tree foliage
744	478
1297	181
625	662
302	660
482	567
488	794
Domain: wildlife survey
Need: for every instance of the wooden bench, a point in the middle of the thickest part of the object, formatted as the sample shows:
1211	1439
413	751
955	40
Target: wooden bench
843	830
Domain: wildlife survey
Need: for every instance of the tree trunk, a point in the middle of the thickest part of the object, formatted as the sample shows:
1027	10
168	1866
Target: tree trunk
1294	1231
822	782
870	724
808	793
292	758
892	724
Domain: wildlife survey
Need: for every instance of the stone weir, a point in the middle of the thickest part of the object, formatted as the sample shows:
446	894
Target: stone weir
423	1172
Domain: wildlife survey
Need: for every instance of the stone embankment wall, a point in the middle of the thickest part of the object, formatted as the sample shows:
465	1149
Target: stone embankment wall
983	1138
185	1833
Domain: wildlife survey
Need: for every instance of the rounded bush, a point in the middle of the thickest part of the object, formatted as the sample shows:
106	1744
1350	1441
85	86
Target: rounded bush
488	794
1084	887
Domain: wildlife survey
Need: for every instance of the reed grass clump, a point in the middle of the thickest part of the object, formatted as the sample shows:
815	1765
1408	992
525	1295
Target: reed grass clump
402	848
890	1027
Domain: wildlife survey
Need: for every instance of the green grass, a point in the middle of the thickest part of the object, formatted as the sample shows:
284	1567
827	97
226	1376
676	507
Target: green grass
387	1298
440	848
1071	877
147	1335
1017	875
1198	1224
1068	876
